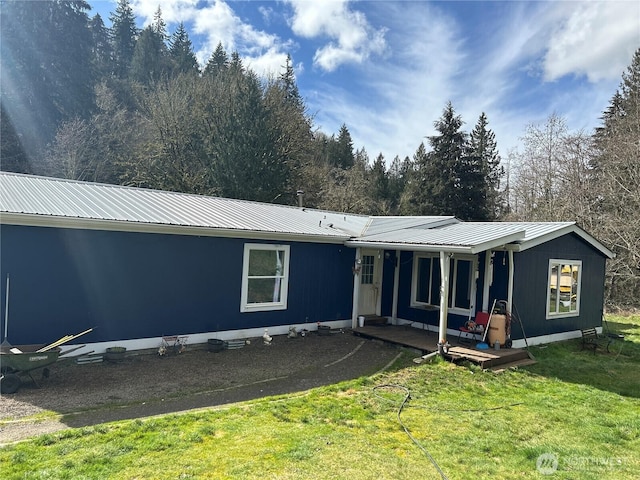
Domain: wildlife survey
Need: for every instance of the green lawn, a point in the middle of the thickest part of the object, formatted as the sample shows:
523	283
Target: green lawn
579	409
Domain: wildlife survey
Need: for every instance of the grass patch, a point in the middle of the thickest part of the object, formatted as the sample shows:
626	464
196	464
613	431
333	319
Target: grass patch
579	407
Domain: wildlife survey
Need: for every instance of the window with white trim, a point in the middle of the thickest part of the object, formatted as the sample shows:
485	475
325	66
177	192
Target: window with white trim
367	269
425	285
265	277
563	292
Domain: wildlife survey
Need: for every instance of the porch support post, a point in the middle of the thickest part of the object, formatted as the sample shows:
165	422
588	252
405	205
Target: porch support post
356	287
488	279
444	297
510	286
396	286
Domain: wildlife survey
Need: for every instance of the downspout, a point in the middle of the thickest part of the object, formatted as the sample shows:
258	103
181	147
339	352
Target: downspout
356	288
510	285
396	286
443	346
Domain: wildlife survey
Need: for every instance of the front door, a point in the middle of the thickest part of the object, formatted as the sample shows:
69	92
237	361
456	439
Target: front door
370	284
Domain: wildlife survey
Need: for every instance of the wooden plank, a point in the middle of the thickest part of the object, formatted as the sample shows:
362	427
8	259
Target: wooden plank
427	342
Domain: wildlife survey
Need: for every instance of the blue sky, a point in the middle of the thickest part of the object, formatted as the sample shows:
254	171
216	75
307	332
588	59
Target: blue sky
387	68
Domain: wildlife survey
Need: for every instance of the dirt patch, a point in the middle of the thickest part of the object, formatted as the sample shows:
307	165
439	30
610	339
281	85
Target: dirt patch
145	385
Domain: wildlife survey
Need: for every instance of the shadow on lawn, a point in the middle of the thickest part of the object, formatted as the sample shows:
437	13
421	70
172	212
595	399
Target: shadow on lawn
616	371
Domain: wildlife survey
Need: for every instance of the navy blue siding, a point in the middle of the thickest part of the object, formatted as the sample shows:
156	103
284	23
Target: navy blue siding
530	287
388	272
530	283
135	285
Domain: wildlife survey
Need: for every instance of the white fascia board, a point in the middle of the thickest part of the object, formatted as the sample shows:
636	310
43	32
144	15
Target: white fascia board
417	247
412	247
31	220
534	242
498	242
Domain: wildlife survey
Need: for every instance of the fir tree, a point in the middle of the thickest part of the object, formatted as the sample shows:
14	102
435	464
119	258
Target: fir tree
218	62
159	27
149	62
289	85
181	52
483	151
444	171
416	198
342	155
123	37
100	48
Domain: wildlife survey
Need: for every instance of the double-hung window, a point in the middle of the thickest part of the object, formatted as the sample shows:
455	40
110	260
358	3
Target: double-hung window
563	291
265	277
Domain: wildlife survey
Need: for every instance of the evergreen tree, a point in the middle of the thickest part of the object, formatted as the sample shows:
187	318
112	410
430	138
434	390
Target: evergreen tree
484	156
159	27
616	187
218	62
149	62
289	84
289	119
342	152
416	198
13	157
235	65
445	170
123	37
398	176
100	48
46	72
181	52
379	186
239	138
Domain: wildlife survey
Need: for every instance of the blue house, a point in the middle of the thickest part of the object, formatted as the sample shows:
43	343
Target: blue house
138	264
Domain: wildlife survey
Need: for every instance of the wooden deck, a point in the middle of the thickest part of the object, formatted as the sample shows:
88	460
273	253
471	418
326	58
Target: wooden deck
427	342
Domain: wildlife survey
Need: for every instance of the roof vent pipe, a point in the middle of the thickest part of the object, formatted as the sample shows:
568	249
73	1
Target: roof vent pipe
300	195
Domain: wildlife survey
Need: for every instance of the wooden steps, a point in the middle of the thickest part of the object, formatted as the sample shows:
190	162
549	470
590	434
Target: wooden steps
488	358
374	320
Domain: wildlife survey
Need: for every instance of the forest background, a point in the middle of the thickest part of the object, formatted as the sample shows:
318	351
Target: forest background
131	106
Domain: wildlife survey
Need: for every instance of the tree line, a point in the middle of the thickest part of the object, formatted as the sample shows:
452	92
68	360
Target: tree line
129	106
132	106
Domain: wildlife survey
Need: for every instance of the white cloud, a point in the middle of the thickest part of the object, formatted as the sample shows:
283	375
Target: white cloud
596	39
217	22
173	11
353	39
394	107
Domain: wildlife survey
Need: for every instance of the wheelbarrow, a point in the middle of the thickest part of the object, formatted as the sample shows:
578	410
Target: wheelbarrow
23	360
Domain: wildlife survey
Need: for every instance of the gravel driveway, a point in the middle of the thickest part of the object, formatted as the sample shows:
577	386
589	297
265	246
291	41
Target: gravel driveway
145	385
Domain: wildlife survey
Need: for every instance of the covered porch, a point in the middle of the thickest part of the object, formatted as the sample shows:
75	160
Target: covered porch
427	342
430	274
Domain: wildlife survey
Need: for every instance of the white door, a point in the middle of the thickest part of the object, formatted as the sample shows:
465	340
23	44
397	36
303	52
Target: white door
370	284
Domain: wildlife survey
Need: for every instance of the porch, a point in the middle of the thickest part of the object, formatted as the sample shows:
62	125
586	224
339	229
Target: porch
427	342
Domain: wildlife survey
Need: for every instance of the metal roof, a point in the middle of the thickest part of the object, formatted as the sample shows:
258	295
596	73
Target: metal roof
474	237
468	237
25	198
33	200
386	224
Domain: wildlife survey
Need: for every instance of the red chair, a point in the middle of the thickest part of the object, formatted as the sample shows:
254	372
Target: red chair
478	328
